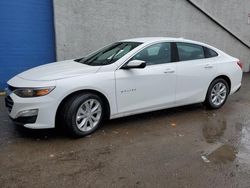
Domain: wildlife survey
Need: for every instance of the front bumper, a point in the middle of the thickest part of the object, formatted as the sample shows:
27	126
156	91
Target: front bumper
46	106
24	120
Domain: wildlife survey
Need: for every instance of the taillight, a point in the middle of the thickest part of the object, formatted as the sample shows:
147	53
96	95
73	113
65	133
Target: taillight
240	64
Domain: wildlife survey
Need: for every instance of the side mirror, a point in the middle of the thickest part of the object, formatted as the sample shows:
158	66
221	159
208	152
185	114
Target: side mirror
135	64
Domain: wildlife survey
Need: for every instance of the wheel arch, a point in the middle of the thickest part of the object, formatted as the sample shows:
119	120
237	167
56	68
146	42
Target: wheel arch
92	91
226	78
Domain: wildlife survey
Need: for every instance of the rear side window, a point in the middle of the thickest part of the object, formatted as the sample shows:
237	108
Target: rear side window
210	53
188	51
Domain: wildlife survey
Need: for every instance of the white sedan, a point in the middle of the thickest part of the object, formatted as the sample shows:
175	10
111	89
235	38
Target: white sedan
125	78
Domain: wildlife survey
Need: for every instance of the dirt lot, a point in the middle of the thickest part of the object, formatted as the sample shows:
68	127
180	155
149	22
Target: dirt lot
181	147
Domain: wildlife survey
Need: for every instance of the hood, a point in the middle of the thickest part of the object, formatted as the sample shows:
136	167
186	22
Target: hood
58	70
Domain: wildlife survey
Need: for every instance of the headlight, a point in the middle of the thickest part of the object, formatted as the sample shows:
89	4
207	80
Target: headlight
33	92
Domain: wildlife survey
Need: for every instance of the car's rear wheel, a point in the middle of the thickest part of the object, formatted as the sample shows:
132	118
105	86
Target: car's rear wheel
217	94
82	114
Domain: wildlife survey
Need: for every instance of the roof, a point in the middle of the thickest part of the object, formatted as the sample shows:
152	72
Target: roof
154	39
159	39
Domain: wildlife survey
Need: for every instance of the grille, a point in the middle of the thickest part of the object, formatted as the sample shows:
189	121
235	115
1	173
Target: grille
9	103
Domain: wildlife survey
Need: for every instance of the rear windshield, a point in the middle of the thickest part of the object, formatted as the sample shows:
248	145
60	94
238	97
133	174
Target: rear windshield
109	54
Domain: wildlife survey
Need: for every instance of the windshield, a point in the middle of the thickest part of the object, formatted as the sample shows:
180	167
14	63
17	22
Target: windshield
110	54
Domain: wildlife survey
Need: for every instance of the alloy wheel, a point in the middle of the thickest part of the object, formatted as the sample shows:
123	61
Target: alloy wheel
218	93
88	115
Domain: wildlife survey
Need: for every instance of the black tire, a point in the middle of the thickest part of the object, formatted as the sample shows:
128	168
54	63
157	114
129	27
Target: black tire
208	102
69	111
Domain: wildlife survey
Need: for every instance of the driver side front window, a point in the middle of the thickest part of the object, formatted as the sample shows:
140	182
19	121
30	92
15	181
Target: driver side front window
155	54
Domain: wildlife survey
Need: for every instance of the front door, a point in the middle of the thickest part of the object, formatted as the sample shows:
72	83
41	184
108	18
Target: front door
148	88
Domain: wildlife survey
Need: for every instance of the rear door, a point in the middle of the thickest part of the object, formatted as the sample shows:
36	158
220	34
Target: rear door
194	73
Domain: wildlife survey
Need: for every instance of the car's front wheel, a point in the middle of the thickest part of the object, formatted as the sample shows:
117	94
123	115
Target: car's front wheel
82	114
217	94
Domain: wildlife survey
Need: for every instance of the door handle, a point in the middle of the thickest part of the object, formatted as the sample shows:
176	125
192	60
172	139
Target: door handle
167	71
208	66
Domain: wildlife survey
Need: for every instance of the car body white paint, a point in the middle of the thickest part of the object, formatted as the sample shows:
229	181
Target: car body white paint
129	91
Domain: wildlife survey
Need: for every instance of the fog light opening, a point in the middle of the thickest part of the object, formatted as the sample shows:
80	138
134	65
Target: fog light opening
27	113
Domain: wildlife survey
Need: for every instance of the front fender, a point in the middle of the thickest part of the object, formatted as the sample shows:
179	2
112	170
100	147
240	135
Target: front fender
103	83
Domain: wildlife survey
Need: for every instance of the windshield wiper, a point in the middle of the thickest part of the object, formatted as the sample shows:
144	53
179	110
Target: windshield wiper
78	60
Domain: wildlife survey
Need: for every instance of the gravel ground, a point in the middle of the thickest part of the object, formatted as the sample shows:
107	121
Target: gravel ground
180	147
